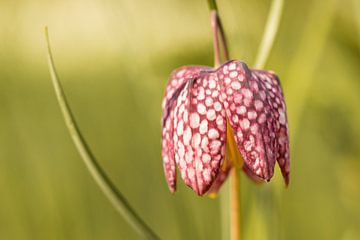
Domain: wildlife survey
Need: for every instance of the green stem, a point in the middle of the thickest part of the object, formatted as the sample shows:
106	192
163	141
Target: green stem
111	192
223	40
212	5
271	29
235	205
267	41
234	199
217	28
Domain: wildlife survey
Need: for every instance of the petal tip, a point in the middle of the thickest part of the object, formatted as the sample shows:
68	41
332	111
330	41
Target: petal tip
287	180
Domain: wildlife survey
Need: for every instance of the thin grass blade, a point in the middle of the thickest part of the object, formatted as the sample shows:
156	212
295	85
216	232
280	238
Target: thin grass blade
109	189
271	29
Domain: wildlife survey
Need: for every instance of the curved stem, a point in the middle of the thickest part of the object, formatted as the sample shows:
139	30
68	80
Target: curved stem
111	192
271	28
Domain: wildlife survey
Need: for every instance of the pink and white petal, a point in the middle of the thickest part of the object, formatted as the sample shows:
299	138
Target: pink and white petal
176	83
250	117
221	178
168	153
200	132
277	102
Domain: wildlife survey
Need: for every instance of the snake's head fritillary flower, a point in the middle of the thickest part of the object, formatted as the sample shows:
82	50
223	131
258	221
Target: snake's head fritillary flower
216	119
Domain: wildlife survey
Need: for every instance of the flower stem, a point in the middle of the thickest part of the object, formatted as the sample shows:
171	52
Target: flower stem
271	28
217	27
212	5
106	185
235	204
214	28
223	39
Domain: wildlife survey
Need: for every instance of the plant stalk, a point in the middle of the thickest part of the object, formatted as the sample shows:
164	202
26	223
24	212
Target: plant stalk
234	209
120	203
215	35
217	29
234	204
267	41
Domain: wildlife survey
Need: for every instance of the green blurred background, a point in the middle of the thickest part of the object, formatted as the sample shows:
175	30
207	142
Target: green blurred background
113	58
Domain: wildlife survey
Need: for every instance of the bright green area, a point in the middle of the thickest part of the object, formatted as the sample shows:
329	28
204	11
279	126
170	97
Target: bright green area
113	58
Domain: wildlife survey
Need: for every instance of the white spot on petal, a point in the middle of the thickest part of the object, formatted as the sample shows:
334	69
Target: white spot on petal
282	118
233	74
194	120
195	141
180	128
187	136
189	155
180	73
245	123
252	115
215	146
201	94
238	98
213	133
235	118
232	66
203	126
212	84
204	143
209	101
215	94
240	135
241	78
206	158
217	106
191	173
201	108
206	175
185	116
211	114
181	149
254	128
262	118
241	110
258	105
236	85
219	120
247	93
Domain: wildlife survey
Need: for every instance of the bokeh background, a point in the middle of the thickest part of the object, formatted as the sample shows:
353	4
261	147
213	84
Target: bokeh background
113	58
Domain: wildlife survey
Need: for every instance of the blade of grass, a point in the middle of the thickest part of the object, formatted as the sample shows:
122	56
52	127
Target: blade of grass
271	29
109	189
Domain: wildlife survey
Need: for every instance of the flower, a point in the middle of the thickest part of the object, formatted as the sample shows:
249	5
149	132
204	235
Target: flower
216	119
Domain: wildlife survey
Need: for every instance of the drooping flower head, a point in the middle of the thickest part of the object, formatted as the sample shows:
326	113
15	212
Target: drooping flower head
216	119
